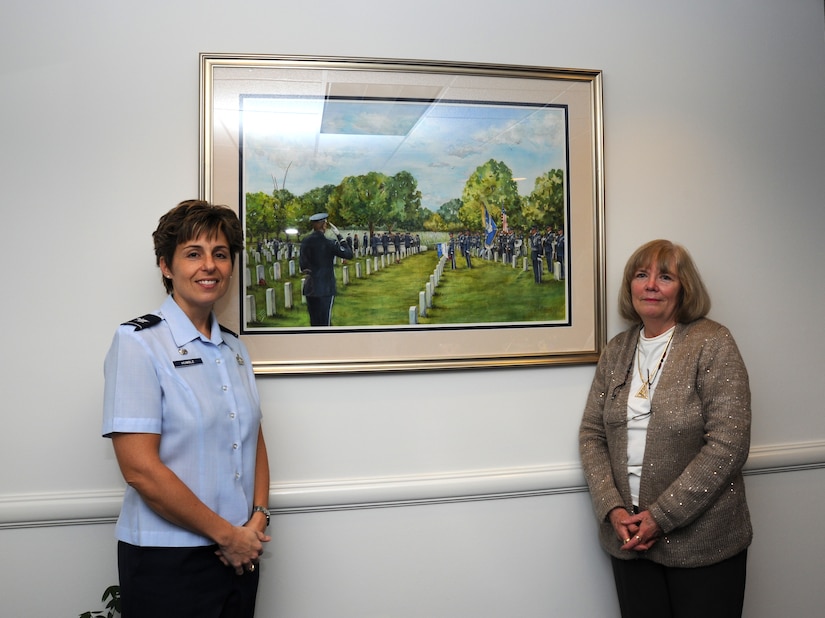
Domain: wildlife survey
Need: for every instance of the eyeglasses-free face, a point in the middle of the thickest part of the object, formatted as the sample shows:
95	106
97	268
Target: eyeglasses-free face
655	295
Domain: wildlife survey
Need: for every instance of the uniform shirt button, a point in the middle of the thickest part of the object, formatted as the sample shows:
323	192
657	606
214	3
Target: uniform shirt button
231	415
235	446
224	387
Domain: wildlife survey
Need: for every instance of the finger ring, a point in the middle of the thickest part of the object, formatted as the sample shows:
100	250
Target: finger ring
626	541
638	538
251	568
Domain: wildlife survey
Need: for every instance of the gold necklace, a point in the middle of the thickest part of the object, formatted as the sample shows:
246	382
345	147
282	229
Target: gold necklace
645	389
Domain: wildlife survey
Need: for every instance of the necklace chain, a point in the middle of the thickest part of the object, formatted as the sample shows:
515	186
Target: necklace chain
645	389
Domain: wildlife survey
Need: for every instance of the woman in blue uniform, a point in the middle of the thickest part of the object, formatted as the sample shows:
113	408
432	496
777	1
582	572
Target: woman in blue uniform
184	417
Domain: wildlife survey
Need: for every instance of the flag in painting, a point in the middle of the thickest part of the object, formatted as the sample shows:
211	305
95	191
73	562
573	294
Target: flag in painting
489	226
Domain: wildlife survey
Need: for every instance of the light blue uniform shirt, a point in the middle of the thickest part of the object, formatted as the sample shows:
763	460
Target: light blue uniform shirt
199	394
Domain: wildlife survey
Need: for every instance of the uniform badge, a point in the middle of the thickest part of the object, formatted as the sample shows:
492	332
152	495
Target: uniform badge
188	362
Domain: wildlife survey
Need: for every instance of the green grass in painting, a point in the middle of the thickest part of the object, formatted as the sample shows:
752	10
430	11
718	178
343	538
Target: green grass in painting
487	293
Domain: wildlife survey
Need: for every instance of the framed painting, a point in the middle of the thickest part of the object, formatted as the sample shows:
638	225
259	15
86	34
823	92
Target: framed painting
465	203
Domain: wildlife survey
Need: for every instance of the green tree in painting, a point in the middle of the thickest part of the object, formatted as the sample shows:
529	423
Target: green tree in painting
361	201
448	212
545	205
434	223
404	202
315	200
490	185
260	216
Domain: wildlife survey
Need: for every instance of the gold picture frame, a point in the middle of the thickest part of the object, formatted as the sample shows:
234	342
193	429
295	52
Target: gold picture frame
227	81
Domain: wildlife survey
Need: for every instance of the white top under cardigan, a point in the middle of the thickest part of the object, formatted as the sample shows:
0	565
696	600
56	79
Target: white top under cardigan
650	353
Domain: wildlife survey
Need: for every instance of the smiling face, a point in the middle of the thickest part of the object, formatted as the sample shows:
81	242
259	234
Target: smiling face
200	273
656	295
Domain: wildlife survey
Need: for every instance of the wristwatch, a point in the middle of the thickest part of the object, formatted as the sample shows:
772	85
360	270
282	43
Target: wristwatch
264	510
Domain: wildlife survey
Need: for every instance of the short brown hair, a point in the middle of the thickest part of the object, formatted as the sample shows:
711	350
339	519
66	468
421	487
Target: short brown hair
187	221
668	257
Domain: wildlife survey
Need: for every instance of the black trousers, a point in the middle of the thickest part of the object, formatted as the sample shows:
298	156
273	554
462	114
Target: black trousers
182	582
650	590
320	310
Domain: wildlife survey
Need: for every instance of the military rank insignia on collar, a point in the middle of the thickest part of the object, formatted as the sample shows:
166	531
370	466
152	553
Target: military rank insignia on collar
145	321
229	332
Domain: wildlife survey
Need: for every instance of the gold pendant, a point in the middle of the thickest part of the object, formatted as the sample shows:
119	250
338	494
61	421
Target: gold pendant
642	394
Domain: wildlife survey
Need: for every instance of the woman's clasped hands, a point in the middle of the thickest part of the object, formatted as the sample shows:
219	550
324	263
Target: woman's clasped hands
243	549
637	532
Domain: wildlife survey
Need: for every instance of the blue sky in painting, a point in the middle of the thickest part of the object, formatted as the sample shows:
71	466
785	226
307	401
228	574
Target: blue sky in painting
305	142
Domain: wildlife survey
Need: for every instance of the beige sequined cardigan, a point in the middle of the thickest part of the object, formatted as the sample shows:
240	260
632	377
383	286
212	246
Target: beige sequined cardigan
697	442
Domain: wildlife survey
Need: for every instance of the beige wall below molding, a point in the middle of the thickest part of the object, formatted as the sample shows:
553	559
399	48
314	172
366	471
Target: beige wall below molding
529	557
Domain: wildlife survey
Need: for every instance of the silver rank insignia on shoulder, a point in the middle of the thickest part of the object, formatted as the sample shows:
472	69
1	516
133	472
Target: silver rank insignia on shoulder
239	359
145	321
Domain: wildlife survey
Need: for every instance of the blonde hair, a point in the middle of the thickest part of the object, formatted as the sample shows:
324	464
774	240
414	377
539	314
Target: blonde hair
668	257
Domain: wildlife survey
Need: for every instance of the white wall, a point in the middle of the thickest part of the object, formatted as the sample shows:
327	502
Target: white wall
713	137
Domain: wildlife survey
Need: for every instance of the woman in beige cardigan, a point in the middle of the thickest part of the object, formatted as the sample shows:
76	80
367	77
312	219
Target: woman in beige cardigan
663	438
